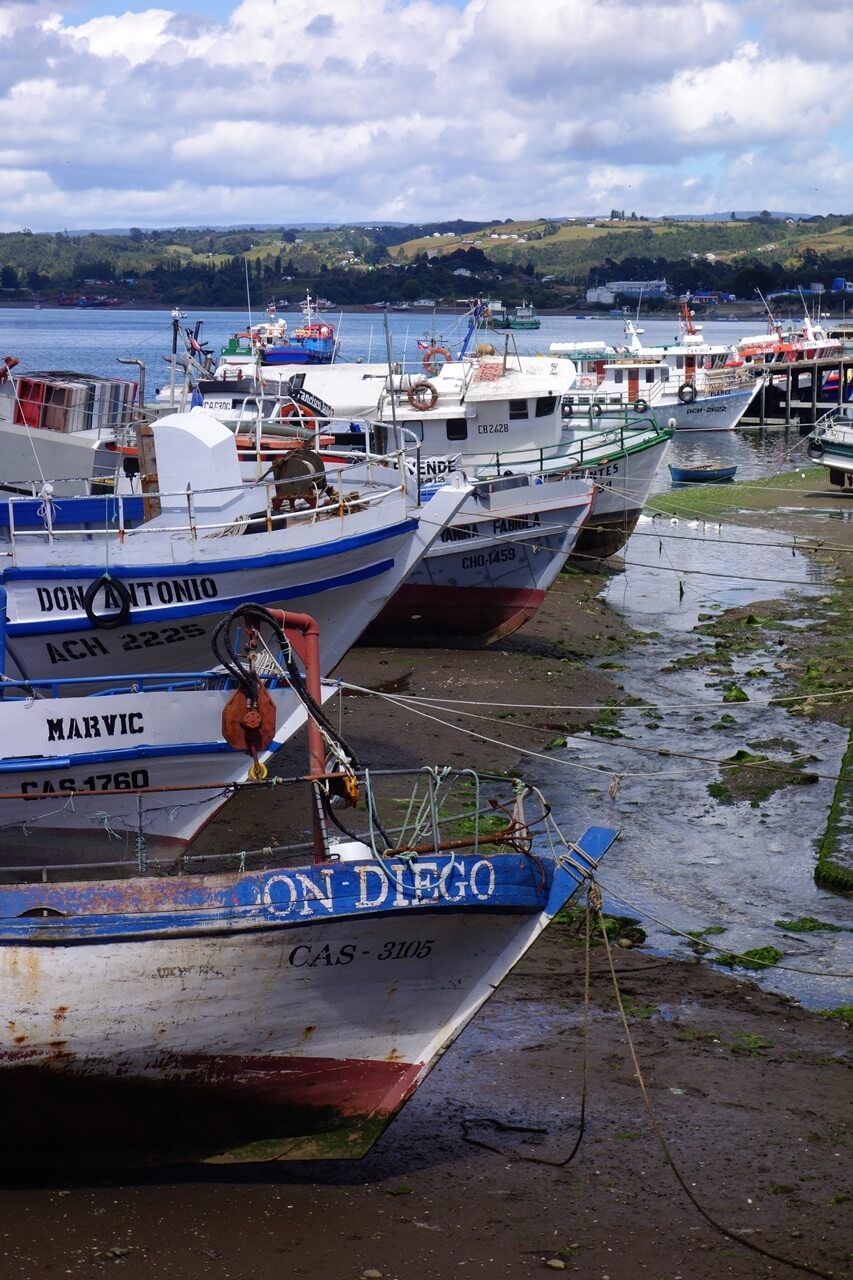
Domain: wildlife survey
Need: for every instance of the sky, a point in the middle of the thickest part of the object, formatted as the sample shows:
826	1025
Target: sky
266	111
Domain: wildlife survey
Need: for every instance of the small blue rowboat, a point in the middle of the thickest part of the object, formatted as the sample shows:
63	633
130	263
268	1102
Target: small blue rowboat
702	475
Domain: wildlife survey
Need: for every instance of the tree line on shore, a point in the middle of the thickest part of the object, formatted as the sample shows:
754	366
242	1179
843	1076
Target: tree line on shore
362	265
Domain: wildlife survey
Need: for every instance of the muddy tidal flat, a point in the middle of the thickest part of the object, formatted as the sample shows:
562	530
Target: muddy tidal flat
750	1085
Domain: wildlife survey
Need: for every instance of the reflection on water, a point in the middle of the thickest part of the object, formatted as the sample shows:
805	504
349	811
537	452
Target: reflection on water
684	857
755	453
677	568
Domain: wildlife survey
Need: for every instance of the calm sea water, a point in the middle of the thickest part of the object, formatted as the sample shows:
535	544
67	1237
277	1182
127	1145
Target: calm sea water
92	341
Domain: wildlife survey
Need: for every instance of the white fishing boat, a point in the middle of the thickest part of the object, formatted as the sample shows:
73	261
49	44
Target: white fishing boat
489	570
267	1005
831	444
492	415
146	762
608	379
806	341
497	420
334	540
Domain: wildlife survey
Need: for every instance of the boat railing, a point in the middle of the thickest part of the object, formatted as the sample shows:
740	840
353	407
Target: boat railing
717	380
51	687
447	811
272	496
616	430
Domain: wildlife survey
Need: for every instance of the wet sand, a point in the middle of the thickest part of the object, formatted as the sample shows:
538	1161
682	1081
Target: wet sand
751	1091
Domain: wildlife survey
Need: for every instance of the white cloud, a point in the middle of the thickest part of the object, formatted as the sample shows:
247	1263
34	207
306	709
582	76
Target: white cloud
382	108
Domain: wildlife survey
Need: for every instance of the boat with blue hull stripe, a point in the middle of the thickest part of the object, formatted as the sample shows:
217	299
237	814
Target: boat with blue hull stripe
190	566
219	604
184	991
288	898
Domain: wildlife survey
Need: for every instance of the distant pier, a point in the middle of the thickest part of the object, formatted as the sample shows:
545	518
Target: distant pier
800	391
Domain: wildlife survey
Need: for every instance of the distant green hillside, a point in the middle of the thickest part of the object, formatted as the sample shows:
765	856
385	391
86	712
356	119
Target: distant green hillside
444	261
575	248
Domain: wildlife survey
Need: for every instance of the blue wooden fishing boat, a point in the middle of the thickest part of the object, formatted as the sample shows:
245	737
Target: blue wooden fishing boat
702	475
270	1004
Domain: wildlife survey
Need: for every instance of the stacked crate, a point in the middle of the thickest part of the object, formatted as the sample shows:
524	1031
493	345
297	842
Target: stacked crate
60	401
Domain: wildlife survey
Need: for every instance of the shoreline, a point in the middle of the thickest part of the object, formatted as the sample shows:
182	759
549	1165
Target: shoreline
733	313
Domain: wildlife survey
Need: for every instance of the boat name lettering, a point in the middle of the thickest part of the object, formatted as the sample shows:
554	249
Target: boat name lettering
309	401
459	533
74	650
165	591
511	524
107	725
481	559
297	893
708	408
132	780
218	404
431	468
391	887
491	428
599	473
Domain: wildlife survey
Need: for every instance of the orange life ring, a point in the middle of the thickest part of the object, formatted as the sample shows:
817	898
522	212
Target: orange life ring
428	358
301	411
422	396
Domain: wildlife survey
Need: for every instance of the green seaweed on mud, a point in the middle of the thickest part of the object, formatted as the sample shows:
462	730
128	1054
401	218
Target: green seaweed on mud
816	663
822	654
841	1013
808	924
704	658
710	500
749	1044
696	938
755	958
753	778
837	840
623	930
633	1009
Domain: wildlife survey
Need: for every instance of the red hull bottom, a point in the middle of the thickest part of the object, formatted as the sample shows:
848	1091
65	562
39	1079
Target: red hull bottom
219	1109
421	614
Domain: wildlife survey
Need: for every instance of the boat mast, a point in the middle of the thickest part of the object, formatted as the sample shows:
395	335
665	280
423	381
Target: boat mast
177	317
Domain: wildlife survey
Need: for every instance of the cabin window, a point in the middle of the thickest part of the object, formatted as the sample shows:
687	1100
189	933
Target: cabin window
517	409
650	375
545	406
617	375
415	427
457	429
679	362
